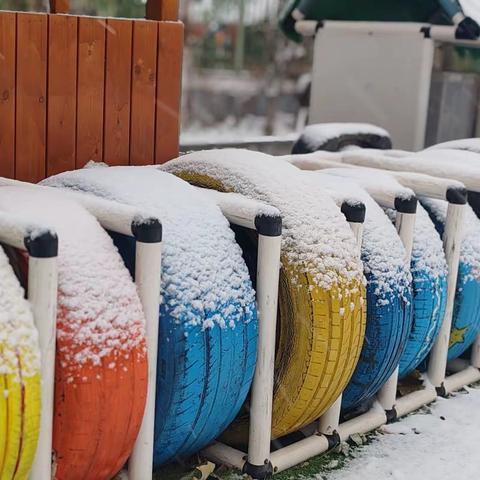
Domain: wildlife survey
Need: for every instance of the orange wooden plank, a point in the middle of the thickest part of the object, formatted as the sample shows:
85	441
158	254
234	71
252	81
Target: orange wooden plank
91	86
153	9
117	92
62	93
7	94
31	96
142	124
59	6
169	80
162	10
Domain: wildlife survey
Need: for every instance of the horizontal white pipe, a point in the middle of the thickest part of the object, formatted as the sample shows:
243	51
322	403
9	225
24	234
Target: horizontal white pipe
238	209
364	423
298	452
14	228
415	400
222	454
446	34
375	27
461	379
306	28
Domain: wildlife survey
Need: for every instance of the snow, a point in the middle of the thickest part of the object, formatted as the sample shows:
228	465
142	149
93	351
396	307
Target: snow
100	313
470	251
424	446
316	237
468	144
202	264
18	336
380	185
471	8
316	135
383	253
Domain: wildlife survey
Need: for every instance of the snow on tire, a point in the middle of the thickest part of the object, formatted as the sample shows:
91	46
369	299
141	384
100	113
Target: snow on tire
101	365
333	137
321	297
208	323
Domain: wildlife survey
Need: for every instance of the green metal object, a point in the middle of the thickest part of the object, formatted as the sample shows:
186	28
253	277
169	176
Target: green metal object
428	11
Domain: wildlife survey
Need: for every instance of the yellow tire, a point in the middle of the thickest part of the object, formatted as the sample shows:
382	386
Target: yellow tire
320	330
20	381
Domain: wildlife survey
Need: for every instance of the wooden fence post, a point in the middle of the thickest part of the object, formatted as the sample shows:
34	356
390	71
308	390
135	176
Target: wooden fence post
59	6
162	10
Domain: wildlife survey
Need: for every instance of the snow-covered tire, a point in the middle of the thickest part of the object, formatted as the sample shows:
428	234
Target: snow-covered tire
208	327
19	378
101	365
466	312
321	306
334	137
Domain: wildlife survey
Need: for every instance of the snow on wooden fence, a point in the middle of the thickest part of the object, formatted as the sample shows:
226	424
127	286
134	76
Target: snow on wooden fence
74	89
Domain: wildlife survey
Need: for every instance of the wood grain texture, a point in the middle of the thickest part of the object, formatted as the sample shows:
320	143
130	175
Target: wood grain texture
59	6
144	81
7	93
31	96
91	90
170	52
62	88
117	92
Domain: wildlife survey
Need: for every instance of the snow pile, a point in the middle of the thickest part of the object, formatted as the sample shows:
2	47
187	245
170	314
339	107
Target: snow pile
471	8
467	144
470	251
316	135
383	253
99	312
424	446
316	237
202	264
18	337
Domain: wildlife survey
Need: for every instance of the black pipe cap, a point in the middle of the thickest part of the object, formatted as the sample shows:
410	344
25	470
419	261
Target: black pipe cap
392	415
147	230
334	440
354	213
268	225
457	195
258	472
44	245
406	205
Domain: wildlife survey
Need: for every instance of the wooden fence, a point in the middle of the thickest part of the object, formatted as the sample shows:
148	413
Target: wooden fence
74	89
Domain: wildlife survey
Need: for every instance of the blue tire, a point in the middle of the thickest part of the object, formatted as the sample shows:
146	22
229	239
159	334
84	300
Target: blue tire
466	311
429	270
208	323
389	307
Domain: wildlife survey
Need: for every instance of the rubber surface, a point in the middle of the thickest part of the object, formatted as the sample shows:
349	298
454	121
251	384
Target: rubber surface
101	369
388	327
19	380
319	335
208	325
335	141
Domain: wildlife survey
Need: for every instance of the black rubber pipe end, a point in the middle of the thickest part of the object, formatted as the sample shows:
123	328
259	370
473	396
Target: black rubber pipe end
258	472
392	415
268	225
406	205
44	245
147	230
354	213
457	195
334	440
442	391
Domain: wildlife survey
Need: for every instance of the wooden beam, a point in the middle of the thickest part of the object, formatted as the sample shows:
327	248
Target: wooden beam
166	10
59	6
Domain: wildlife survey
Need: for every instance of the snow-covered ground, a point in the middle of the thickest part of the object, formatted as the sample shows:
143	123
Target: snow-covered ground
441	445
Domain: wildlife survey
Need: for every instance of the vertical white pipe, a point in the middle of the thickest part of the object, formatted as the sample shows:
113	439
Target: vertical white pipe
268	271
475	358
148	281
42	294
452	239
405	225
329	421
